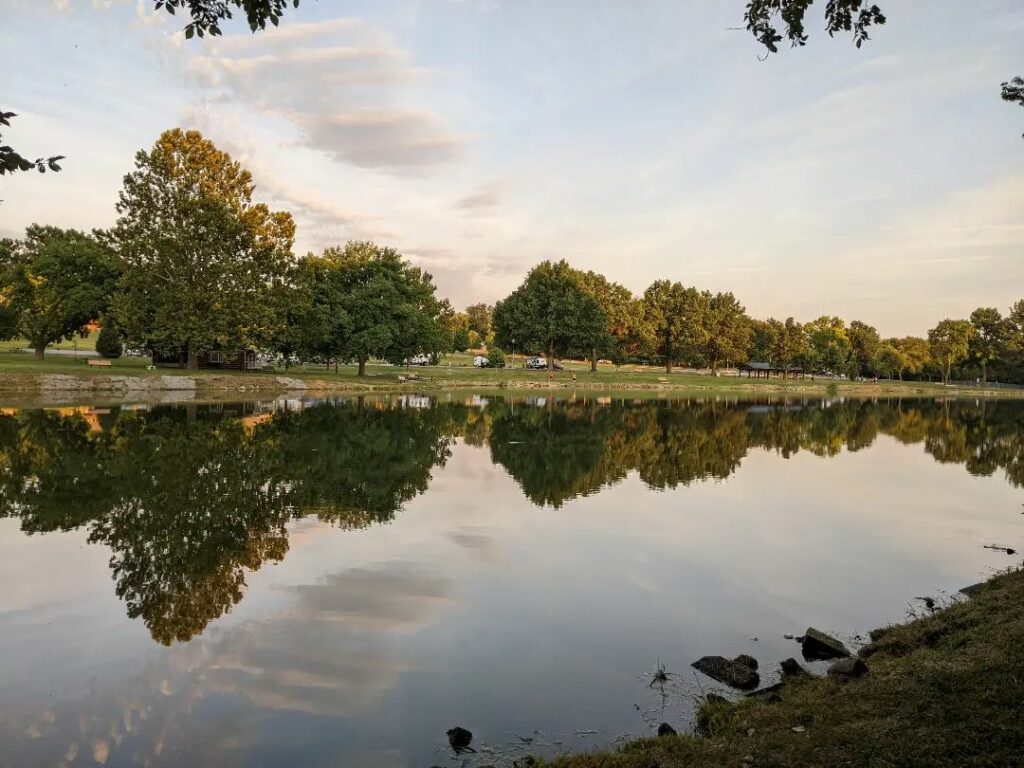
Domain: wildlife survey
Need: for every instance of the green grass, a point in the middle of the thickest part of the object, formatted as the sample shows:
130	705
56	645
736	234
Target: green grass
457	371
946	690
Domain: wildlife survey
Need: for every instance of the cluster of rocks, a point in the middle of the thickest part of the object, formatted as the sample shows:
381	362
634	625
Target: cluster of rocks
741	672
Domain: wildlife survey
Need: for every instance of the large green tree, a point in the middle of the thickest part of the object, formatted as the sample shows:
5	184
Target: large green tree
479	318
200	258
830	347
375	304
550	313
865	342
54	282
621	310
950	343
989	340
916	352
672	316
726	330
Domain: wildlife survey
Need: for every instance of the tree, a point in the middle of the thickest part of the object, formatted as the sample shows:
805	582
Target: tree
891	360
480	319
829	344
12	161
496	357
673	317
840	16
390	306
764	339
207	15
108	343
54	282
458	327
916	354
950	342
865	342
854	16
619	307
989	338
200	257
551	313
726	329
793	347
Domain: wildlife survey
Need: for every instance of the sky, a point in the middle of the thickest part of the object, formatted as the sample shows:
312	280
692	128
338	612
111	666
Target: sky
647	139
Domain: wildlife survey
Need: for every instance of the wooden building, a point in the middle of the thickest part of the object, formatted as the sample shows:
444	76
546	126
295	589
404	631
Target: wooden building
233	360
758	370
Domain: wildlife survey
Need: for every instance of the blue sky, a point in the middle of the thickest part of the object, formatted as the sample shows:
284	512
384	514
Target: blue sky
642	139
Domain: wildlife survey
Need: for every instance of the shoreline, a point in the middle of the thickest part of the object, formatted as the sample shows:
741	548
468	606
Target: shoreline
942	689
187	386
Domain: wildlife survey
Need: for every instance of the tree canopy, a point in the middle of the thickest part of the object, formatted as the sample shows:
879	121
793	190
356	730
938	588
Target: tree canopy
550	313
53	283
671	318
200	258
840	16
369	301
950	342
12	161
208	15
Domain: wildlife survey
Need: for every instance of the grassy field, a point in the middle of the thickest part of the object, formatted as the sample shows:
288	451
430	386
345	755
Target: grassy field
945	690
456	371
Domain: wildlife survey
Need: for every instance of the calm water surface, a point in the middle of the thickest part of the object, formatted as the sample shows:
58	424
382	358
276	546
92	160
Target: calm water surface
338	583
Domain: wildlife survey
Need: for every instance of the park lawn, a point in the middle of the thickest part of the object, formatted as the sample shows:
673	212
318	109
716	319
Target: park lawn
457	371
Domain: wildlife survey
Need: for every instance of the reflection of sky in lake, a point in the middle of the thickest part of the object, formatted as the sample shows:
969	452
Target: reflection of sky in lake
477	608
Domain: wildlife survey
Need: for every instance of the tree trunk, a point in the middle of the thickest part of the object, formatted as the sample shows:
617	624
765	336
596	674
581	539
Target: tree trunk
668	352
551	358
362	367
984	374
593	361
39	352
191	358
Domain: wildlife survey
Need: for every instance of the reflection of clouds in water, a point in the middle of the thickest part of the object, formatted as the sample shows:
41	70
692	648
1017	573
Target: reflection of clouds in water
469	539
325	654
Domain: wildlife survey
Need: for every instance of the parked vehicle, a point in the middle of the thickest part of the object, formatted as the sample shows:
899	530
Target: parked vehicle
419	360
481	362
541	364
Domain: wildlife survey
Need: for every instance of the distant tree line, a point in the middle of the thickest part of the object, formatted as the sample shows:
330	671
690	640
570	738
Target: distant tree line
559	311
194	264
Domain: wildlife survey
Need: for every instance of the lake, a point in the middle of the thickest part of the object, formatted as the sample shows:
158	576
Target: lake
338	582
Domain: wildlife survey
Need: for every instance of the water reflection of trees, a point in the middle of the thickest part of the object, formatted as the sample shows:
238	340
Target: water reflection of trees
189	500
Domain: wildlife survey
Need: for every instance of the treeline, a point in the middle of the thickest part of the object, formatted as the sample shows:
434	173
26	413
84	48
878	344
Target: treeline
193	265
561	311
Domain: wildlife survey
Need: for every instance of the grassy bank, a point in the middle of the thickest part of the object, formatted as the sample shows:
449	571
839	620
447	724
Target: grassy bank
22	372
946	690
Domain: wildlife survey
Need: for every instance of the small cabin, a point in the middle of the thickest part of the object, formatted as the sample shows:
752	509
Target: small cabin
215	359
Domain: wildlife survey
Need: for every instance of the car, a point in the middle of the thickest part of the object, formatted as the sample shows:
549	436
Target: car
481	362
541	364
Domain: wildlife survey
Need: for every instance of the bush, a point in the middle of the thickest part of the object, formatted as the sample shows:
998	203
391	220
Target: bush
109	342
496	357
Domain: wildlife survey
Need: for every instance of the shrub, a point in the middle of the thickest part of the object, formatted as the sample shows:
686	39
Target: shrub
109	342
496	357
